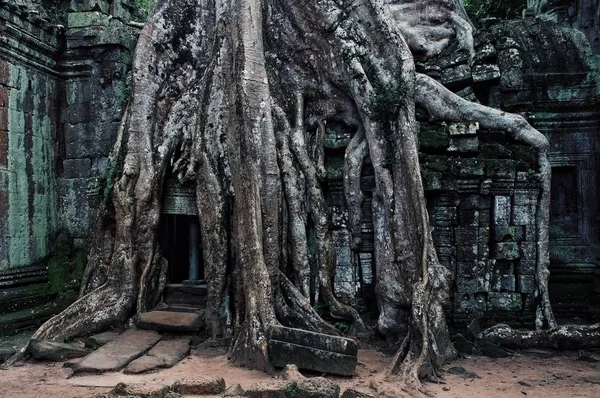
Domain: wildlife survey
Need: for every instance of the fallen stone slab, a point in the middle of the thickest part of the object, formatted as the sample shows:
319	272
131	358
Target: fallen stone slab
98	340
53	351
139	391
312	351
144	364
167	321
234	391
6	352
326	342
200	386
165	354
317	387
350	393
116	354
304	357
271	389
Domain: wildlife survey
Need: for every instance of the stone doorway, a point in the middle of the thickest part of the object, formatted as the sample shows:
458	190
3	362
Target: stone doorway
180	235
180	244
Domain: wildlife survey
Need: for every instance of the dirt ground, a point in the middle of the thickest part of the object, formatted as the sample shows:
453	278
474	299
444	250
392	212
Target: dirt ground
558	376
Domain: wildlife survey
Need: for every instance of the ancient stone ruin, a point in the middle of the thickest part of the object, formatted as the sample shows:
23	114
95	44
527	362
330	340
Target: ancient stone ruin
64	85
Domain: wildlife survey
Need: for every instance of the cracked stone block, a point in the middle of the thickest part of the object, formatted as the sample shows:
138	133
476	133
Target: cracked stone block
485	52
457	75
476	202
466	253
526	267
512	78
507	251
469	217
464	144
443	236
526	197
470	269
465	235
484	73
504	233
470	285
525	283
509	59
506	42
469	302
483	252
432	181
504	301
483	235
502	210
484	218
469	168
313	351
502	283
444	216
456	58
462	129
529	250
76	168
524	215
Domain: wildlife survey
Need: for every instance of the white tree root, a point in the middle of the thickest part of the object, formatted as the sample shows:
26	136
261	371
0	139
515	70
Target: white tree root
442	104
568	337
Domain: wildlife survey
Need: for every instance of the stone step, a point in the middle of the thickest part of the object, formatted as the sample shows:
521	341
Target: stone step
185	294
165	354
182	308
312	351
169	321
117	354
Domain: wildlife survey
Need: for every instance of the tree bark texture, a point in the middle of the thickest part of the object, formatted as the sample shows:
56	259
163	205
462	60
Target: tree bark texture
235	96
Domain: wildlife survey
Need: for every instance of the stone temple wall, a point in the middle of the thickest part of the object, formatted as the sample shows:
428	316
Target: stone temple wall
29	86
482	187
63	84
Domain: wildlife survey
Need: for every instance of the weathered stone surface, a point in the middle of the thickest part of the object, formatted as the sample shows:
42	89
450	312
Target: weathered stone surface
53	351
502	210
143	364
507	251
164	354
141	391
116	354
6	352
456	75
350	393
462	344
234	391
505	301
200	386
317	387
168	321
98	340
341	345
306	357
271	389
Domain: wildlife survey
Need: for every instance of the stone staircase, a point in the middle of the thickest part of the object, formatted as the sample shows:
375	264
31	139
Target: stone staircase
161	340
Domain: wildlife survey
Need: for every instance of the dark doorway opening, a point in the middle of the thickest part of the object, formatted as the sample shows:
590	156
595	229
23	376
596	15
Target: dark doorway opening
564	203
180	244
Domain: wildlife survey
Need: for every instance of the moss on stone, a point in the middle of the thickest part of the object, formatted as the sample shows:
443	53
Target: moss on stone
434	137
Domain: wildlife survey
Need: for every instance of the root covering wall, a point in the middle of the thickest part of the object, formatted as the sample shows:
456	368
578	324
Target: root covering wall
64	86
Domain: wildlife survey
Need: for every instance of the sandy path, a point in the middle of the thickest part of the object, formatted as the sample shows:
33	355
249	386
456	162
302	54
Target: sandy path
518	376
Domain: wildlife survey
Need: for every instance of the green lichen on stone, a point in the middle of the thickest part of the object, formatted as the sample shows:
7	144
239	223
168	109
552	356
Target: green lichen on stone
31	188
434	137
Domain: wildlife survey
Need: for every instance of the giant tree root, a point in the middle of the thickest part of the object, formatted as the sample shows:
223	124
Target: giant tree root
568	337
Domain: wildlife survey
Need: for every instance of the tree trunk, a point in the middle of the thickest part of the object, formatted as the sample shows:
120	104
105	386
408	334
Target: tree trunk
225	93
